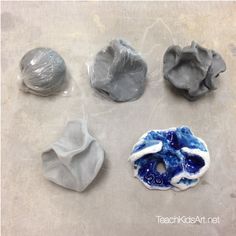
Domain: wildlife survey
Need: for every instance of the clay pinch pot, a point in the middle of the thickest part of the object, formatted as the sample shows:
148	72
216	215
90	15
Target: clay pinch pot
170	159
192	70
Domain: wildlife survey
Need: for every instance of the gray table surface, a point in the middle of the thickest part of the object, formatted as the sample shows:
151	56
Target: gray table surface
115	203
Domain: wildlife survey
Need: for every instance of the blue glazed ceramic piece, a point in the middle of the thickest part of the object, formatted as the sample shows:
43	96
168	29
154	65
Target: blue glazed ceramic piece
172	158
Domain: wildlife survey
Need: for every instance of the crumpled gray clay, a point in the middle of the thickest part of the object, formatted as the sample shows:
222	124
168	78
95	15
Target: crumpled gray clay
193	69
75	159
43	72
119	72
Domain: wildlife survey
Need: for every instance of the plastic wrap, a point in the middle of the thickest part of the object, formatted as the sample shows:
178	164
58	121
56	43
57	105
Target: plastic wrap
43	73
118	72
75	159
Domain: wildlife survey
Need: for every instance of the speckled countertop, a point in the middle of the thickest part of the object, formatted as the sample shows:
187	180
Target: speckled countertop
116	203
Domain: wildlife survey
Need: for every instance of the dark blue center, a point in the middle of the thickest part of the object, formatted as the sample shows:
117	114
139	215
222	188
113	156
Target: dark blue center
170	155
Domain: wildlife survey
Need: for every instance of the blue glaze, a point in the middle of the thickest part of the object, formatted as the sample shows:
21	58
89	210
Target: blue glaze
187	181
193	163
174	160
148	173
177	139
145	144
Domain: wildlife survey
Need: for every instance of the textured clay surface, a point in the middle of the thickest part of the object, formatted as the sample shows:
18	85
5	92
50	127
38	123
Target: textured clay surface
119	72
75	159
193	69
184	159
43	72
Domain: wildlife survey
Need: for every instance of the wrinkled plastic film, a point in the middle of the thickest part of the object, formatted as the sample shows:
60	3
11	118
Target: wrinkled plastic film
43	72
118	72
120	56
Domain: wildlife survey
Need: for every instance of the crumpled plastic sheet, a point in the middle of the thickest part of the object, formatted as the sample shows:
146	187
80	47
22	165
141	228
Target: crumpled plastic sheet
74	160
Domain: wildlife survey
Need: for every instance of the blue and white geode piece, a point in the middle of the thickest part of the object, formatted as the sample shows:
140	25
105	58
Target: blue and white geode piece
185	159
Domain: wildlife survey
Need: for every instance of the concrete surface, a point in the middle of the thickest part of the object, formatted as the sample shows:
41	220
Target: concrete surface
116	203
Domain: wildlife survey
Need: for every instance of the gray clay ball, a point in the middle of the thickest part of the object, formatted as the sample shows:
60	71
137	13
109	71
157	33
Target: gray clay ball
119	72
43	72
75	159
192	70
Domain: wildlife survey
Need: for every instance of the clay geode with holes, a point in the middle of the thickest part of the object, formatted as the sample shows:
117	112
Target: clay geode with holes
118	72
43	72
184	157
192	70
74	160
